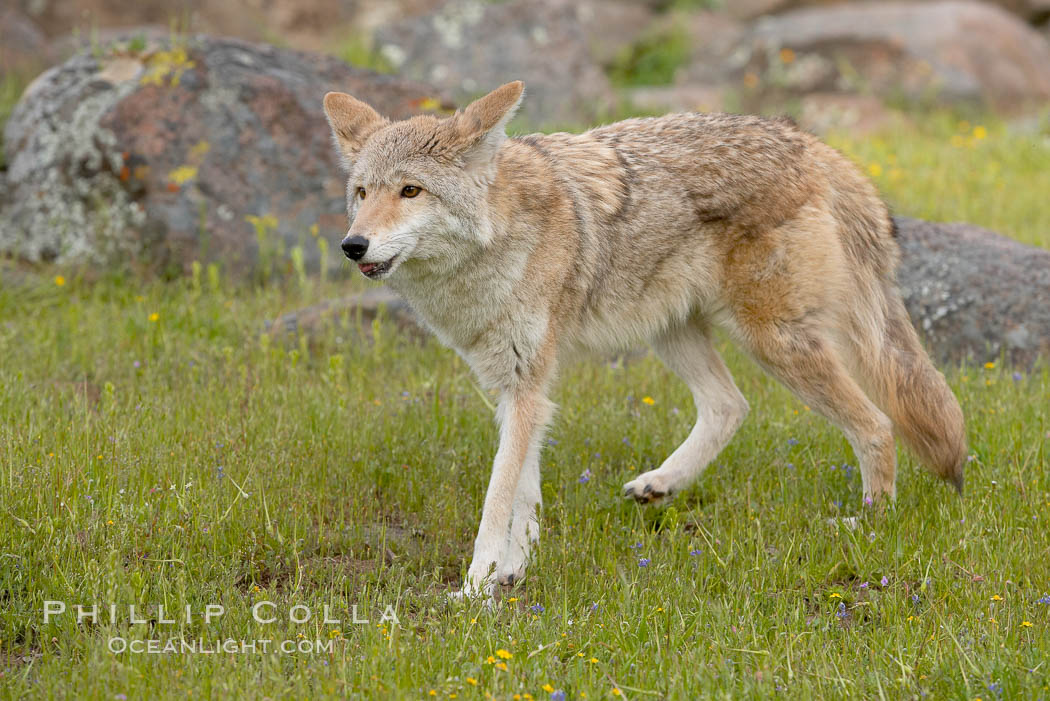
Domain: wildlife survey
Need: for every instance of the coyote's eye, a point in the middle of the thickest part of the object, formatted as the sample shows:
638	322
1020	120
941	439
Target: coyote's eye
361	193
410	191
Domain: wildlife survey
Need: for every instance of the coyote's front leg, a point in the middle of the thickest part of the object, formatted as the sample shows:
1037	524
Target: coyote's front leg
523	415
525	523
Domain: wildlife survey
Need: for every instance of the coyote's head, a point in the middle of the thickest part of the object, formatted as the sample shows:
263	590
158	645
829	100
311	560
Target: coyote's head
416	188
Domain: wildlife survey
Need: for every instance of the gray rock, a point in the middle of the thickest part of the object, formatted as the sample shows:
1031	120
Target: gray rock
364	307
954	50
974	294
211	149
1028	10
611	25
470	46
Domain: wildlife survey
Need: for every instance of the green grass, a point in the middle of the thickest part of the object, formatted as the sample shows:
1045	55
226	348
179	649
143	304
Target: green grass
652	60
360	51
11	86
156	447
192	460
945	168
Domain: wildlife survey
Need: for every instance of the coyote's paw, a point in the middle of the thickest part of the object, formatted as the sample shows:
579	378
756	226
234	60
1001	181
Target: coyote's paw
511	571
650	488
524	533
473	592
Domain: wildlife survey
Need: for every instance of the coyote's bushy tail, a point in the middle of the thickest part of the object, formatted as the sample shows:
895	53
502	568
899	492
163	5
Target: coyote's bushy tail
901	379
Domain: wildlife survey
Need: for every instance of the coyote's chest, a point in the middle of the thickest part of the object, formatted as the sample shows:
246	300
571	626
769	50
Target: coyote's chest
483	320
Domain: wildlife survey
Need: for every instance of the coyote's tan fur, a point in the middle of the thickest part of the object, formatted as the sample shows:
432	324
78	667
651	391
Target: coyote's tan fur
519	251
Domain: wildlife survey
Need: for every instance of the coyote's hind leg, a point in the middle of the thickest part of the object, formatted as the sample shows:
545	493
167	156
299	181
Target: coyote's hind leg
808	364
720	409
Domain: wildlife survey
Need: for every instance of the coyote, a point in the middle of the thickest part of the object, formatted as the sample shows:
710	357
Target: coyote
516	252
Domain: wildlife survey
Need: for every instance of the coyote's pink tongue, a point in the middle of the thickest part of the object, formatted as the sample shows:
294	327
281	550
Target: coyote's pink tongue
367	267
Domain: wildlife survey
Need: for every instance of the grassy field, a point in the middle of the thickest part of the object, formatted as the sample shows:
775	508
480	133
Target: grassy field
157	448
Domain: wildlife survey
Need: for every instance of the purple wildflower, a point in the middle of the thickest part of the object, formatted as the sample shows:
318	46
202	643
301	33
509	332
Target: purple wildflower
884	581
644	562
594	606
558	695
636	546
842	613
1018	377
136	364
694	553
585	477
863	585
537	608
1045	601
868	501
792	442
121	697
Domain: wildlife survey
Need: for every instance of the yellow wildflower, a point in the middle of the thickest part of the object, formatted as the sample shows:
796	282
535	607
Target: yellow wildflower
787	55
979	132
501	665
430	104
548	688
472	681
504	654
997	598
59	280
1026	624
182	174
648	400
154	316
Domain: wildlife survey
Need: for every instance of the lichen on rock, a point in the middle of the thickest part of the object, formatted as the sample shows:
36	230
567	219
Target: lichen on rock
66	201
158	153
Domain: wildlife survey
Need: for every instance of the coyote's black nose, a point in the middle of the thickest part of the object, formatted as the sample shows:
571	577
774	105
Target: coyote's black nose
354	247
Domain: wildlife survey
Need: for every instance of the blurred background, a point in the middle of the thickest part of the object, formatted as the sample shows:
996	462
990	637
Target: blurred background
151	136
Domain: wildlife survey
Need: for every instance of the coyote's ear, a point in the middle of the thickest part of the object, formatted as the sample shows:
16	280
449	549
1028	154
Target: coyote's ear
352	122
483	124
